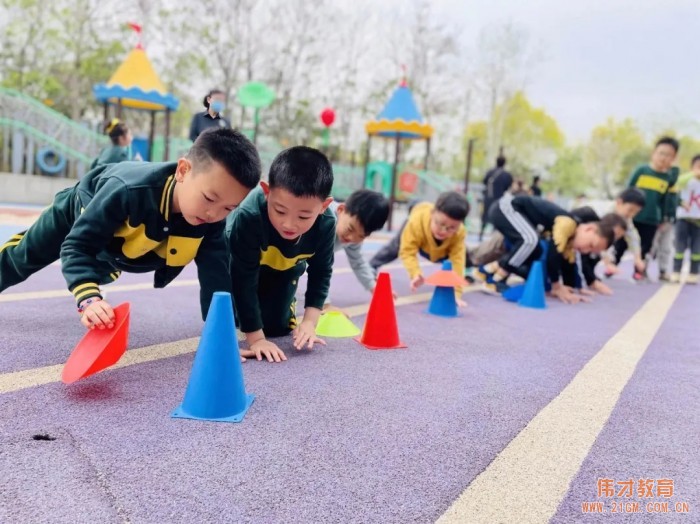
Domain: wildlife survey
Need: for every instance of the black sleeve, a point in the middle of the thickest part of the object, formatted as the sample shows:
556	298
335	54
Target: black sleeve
91	233
212	266
244	242
568	273
194	128
588	263
554	263
320	268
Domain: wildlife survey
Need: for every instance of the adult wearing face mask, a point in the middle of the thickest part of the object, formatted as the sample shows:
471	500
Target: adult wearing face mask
214	102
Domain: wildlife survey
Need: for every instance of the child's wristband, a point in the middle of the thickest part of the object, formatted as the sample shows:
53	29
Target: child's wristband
85	303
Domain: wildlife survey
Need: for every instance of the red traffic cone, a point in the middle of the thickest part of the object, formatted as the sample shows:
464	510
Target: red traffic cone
381	330
99	348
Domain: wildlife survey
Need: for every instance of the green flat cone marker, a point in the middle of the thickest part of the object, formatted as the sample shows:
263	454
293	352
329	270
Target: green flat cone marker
335	324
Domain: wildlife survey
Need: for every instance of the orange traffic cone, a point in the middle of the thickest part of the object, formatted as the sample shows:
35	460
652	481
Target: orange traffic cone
99	348
381	330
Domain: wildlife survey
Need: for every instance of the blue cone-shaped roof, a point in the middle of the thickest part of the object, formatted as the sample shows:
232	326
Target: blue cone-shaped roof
401	106
400	117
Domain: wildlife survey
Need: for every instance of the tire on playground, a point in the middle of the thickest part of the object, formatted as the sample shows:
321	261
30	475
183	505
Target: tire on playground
46	168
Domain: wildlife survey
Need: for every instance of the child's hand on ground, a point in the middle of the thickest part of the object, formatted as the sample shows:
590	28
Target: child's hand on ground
600	287
264	348
461	303
98	314
305	334
417	282
566	295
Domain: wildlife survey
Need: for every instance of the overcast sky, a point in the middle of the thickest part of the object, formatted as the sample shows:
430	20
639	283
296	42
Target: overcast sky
619	58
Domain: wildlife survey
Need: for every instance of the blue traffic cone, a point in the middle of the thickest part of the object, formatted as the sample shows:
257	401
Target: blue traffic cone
444	303
533	295
216	391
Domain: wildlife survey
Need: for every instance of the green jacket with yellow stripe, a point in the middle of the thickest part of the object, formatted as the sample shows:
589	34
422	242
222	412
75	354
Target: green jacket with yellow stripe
124	222
265	268
655	186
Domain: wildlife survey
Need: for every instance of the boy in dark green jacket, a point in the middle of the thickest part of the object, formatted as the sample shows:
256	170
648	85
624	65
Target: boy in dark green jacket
139	217
281	230
655	180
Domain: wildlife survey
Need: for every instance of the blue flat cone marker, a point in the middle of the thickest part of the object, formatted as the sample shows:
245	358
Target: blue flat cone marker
533	294
514	293
216	391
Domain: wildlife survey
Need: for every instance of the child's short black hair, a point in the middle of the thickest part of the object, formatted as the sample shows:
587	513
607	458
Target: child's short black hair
669	141
369	207
214	91
585	214
453	205
303	171
232	150
607	225
115	129
696	158
633	195
500	161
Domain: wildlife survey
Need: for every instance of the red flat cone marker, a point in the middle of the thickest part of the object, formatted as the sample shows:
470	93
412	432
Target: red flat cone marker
99	348
446	277
381	330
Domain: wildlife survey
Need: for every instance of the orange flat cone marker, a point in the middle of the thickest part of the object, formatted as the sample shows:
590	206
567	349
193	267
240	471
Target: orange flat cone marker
446	277
381	330
335	324
99	348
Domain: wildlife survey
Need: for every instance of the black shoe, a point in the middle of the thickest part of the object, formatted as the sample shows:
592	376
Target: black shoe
495	288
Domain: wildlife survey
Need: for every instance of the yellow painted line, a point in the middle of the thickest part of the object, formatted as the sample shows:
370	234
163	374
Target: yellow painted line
18	380
116	288
529	478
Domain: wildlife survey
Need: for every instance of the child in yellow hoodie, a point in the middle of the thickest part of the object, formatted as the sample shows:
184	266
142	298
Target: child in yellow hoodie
436	232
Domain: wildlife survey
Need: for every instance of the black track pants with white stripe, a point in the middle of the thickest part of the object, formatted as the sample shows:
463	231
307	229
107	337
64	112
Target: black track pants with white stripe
521	235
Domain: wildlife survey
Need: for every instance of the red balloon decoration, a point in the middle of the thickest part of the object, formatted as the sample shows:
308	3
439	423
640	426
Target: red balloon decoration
328	117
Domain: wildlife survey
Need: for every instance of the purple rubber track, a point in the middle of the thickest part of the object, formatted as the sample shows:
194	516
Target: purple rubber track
339	434
653	432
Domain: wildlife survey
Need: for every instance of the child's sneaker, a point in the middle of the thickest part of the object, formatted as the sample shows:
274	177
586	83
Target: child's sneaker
495	288
639	276
692	279
663	277
675	278
482	275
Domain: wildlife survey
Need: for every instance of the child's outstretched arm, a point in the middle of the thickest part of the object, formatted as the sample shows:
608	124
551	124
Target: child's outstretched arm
212	266
408	252
244	246
320	271
360	266
93	229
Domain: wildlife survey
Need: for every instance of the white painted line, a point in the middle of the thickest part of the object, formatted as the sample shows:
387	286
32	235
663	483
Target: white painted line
529	478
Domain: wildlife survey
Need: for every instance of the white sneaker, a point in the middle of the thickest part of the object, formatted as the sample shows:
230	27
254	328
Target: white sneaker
692	279
675	278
